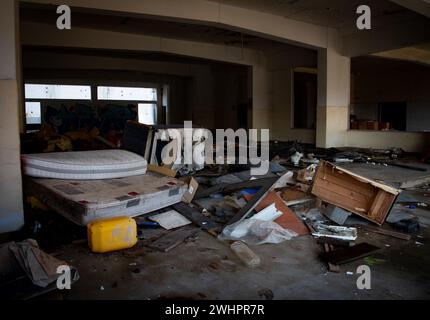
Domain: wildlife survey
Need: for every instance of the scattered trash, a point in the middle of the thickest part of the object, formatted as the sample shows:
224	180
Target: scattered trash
40	267
295	158
407	226
245	254
112	234
173	239
306	175
336	214
256	232
288	219
337	232
170	219
284	181
270	213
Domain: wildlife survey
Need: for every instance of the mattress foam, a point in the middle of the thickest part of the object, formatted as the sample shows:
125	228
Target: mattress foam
84	165
85	201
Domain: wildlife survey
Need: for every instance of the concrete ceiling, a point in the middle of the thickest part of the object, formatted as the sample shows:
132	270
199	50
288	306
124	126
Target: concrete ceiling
339	14
147	26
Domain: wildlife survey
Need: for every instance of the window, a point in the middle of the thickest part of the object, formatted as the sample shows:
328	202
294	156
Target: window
147	113
127	94
55	91
33	113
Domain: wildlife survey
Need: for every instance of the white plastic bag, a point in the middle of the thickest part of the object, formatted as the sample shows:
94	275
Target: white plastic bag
255	232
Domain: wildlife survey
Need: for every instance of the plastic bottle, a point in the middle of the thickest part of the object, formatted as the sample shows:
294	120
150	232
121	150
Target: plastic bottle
246	255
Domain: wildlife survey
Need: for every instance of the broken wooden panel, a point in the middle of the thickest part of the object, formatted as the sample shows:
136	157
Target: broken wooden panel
367	198
288	220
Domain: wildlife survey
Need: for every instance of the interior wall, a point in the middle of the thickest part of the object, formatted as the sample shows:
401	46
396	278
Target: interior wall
377	80
281	64
408	141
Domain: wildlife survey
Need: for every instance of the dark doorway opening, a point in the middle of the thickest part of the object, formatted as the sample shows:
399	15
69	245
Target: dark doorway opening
394	113
305	100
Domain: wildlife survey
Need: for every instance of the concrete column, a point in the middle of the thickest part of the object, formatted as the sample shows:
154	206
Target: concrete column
333	94
261	98
11	202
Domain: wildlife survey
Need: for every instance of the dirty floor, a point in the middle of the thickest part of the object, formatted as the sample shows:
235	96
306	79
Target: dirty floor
207	269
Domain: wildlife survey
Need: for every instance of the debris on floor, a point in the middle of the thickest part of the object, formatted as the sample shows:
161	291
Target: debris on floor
337	232
25	260
174	238
245	254
367	198
170	219
336	214
112	234
300	196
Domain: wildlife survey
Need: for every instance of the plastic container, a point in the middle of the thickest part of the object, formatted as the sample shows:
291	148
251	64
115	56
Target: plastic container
112	234
246	255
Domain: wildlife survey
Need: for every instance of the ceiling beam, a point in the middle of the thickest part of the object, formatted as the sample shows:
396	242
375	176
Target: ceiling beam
392	37
41	34
253	22
420	6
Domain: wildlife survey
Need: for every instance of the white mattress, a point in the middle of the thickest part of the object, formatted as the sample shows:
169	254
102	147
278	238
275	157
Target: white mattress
84	165
88	200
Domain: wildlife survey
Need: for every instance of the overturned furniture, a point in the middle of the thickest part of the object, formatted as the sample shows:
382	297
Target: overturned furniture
367	198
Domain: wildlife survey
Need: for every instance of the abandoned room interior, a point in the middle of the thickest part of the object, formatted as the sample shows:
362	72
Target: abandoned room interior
103	102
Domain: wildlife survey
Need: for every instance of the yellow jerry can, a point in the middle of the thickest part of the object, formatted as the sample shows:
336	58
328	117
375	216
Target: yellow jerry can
112	234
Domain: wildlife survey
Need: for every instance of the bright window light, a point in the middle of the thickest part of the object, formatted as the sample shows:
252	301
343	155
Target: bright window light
33	113
128	94
54	91
147	113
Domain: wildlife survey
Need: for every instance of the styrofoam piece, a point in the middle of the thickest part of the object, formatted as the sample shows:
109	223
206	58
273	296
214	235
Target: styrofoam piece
337	232
170	219
84	165
88	200
269	213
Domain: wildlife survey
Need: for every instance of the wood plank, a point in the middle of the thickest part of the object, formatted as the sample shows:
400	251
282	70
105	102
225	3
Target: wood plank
379	205
173	239
329	166
386	232
197	217
165	171
289	219
343	179
347	192
340	201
